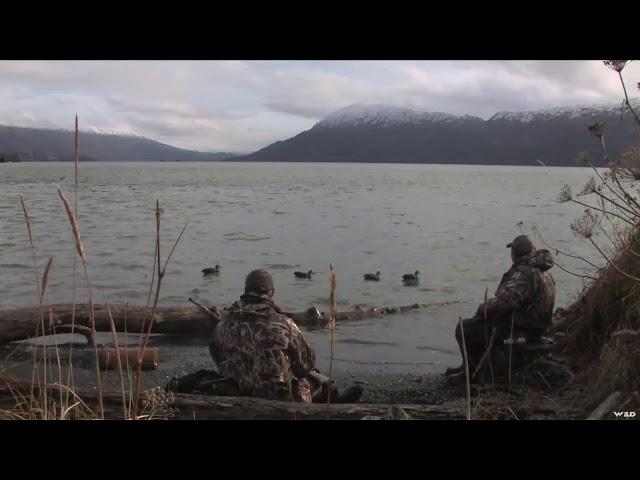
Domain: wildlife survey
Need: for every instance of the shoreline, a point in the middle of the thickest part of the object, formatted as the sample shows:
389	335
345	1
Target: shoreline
524	401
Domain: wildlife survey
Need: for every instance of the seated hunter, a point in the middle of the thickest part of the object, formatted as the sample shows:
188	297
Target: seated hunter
521	308
260	352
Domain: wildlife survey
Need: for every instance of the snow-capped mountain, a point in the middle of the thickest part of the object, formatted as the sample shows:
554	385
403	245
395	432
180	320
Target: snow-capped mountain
380	133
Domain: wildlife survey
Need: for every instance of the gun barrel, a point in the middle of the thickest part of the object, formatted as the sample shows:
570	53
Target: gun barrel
212	315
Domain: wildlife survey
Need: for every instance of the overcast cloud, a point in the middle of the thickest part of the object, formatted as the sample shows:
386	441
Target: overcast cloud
241	106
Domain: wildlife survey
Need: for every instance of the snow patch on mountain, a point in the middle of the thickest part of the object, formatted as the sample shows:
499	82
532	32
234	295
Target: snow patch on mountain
386	115
565	112
383	115
104	131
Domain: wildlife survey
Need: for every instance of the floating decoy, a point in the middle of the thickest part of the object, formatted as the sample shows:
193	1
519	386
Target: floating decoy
411	278
373	277
303	274
211	271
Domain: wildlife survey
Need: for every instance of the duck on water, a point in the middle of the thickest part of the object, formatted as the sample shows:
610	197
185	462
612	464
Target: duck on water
303	274
211	270
372	277
411	278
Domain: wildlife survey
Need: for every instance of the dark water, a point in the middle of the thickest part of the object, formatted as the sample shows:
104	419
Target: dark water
449	222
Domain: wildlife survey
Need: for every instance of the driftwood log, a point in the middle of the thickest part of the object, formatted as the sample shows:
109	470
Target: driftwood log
205	407
21	324
242	408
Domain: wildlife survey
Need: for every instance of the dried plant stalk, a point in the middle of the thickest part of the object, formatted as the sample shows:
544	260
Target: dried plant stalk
75	228
45	281
161	269
28	219
466	370
73	220
118	362
77	158
332	323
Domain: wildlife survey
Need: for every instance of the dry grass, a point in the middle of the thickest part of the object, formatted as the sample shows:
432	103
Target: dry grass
619	364
610	303
18	402
496	408
157	404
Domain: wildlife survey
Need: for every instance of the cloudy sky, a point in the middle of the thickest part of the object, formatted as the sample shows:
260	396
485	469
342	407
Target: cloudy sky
240	106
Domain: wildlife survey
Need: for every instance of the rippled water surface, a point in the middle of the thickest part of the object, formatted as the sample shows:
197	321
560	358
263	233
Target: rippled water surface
449	222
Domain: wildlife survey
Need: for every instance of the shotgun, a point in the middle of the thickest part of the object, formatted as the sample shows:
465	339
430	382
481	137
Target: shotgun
214	316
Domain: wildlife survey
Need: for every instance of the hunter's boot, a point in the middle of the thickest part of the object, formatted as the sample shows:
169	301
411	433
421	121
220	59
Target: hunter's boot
321	394
454	370
350	394
186	383
199	381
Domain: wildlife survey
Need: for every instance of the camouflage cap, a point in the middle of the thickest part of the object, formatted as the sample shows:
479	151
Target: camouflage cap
521	245
260	282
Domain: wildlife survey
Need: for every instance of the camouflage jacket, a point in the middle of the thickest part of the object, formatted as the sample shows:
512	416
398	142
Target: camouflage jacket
263	351
526	293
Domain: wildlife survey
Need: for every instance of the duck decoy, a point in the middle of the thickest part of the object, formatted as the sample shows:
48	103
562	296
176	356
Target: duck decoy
411	278
373	277
211	271
303	274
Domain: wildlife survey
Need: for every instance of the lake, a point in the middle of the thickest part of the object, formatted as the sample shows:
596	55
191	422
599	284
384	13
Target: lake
451	223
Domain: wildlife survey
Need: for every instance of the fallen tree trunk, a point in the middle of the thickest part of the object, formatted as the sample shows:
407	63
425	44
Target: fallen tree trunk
21	324
204	407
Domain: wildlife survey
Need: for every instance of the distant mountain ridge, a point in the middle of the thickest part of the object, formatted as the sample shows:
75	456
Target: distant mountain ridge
359	114
36	144
387	134
376	134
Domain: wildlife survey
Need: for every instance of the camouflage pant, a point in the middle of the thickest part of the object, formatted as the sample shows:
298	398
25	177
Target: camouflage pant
209	382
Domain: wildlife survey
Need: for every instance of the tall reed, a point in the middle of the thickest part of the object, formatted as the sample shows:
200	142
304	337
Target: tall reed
466	369
119	364
161	270
35	374
27	217
75	228
70	379
332	324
